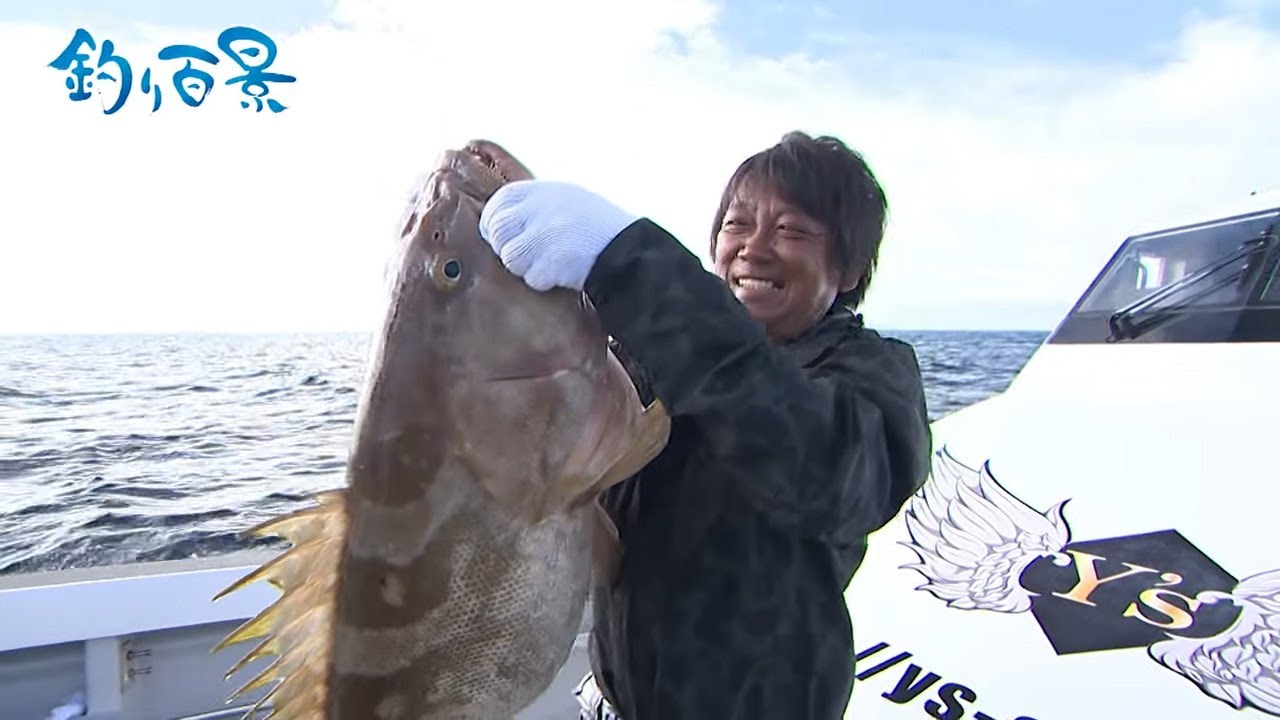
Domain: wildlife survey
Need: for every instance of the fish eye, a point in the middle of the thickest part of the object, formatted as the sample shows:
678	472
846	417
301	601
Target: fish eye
446	273
452	269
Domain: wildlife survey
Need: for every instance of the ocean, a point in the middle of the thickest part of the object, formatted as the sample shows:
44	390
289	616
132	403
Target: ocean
118	449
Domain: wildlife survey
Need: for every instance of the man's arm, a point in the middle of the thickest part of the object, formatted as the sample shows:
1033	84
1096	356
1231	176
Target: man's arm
833	451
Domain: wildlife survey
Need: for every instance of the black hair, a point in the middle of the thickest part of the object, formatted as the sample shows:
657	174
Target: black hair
831	183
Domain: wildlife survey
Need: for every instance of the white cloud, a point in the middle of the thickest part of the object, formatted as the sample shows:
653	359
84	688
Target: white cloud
1010	180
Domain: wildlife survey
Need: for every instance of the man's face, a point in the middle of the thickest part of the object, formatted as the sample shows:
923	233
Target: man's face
777	261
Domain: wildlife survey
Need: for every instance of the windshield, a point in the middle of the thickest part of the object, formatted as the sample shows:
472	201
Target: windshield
1151	263
1212	282
1231	273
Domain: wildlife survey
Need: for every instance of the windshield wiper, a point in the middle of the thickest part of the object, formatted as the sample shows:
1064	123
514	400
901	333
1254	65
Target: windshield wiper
1126	323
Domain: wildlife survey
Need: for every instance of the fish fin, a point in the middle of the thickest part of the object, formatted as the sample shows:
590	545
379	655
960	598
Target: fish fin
613	448
606	548
651	437
652	433
297	627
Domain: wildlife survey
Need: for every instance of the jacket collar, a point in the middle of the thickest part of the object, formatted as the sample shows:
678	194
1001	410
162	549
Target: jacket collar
809	347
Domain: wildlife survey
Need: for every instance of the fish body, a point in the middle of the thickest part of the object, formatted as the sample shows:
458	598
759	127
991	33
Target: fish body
449	577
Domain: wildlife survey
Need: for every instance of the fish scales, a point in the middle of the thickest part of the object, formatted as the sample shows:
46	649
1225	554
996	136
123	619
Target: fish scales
448	578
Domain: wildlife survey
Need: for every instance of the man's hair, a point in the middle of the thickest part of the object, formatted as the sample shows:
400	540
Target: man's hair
833	184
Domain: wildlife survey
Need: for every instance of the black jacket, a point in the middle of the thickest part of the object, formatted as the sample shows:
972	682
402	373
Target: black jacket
742	536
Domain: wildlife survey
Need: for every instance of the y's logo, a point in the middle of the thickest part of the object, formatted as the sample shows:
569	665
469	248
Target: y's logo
982	548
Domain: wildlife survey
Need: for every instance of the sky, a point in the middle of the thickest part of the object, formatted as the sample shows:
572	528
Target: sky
1018	141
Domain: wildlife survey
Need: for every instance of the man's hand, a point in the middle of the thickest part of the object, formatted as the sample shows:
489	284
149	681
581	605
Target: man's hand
550	233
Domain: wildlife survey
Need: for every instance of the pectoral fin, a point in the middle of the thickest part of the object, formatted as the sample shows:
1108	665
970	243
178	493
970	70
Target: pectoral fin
616	443
606	549
651	437
609	450
653	431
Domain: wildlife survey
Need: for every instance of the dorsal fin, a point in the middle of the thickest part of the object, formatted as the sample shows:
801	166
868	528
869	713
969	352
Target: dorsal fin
297	628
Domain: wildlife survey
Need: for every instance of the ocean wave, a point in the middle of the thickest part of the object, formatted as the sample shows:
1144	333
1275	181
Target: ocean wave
117	449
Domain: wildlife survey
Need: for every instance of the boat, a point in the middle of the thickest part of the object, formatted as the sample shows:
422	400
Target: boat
134	641
1092	542
1096	540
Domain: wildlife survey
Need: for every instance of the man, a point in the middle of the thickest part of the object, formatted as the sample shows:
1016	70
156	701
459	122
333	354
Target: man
796	431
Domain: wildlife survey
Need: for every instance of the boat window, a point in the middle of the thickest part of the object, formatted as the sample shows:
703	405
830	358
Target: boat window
1271	283
1191	284
1148	265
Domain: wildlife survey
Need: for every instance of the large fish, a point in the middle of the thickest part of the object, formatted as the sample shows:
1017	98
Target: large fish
449	577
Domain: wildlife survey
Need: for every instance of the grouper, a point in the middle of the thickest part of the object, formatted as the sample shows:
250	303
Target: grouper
448	577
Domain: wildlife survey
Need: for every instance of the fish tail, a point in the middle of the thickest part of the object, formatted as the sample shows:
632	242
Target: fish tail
297	627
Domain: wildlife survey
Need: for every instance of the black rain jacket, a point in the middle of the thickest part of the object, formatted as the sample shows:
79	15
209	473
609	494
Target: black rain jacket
741	537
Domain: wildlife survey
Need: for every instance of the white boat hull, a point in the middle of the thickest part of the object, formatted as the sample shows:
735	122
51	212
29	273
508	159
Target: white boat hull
134	642
1176	480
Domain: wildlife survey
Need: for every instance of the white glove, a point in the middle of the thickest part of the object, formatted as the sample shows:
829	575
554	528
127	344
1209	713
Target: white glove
550	233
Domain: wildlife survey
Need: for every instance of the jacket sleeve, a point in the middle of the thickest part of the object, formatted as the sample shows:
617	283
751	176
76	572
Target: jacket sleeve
832	451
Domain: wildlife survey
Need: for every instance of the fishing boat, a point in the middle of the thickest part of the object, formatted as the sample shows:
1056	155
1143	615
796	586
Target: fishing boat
1093	542
133	641
1096	541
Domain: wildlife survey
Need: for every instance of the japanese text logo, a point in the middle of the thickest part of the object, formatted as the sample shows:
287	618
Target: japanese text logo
192	83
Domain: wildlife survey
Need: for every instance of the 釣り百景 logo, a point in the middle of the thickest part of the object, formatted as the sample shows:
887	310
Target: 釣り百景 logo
252	51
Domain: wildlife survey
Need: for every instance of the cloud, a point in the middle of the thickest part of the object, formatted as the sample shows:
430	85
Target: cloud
1010	178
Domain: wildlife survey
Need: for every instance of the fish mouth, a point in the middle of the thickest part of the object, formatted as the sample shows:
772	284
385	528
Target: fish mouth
476	170
488	165
498	162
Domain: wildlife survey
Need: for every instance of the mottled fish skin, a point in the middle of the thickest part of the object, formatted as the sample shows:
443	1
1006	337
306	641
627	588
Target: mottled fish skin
449	578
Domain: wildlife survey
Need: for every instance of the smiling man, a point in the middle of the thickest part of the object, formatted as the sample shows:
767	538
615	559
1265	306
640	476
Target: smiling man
796	431
798	227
